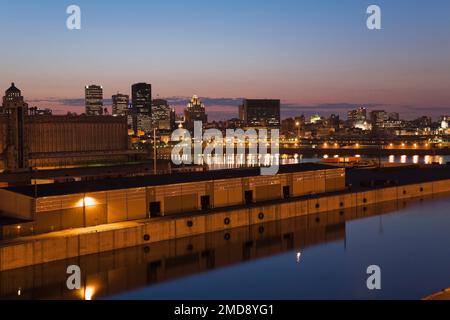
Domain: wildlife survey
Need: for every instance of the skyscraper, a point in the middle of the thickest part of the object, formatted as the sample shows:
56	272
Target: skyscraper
120	104
141	96
162	115
261	113
94	100
378	118
357	115
195	111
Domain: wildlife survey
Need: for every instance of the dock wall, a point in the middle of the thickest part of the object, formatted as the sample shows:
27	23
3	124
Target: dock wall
47	248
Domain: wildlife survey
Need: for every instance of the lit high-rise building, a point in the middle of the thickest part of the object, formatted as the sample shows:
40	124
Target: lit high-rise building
378	118
315	118
162	115
195	111
444	121
120	104
358	118
141	97
94	100
357	115
260	113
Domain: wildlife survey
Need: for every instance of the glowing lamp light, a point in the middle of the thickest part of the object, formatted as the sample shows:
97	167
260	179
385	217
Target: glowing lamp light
89	293
86	202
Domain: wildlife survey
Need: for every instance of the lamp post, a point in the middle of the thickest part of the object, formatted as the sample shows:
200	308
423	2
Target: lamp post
297	124
84	210
154	152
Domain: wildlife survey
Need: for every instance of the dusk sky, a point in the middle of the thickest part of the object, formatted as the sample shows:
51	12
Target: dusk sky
314	55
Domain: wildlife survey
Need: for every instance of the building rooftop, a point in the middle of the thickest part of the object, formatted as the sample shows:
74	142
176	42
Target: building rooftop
48	190
13	89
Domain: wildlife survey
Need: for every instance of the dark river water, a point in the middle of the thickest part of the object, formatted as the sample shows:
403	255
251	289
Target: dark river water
411	246
315	257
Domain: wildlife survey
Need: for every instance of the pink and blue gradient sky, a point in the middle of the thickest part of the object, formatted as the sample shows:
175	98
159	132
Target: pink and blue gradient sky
314	55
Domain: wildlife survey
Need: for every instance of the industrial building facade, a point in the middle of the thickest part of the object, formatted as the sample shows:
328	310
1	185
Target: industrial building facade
55	207
29	140
58	141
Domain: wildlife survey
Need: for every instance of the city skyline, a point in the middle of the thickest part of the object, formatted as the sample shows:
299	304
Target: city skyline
200	150
314	56
227	108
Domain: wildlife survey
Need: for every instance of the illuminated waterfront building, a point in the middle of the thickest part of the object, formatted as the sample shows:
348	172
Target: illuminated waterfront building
53	207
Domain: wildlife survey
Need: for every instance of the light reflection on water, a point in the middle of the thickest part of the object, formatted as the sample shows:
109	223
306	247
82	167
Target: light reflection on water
314	257
416	159
251	160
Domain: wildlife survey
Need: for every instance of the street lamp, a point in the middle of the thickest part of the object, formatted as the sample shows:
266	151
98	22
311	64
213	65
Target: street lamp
297	124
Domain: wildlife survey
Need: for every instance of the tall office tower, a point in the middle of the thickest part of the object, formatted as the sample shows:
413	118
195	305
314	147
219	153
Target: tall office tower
141	97
261	113
378	118
120	104
333	121
130	117
357	115
173	119
15	109
94	100
195	111
162	115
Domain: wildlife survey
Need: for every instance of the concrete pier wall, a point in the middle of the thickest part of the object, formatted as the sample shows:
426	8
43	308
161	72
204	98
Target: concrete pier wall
34	250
